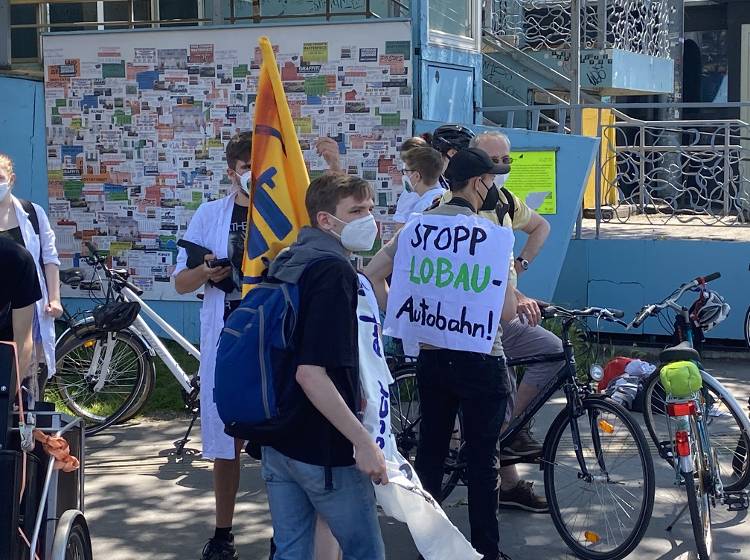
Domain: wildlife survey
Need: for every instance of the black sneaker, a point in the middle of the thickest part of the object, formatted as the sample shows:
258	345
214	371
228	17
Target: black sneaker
220	550
524	445
522	497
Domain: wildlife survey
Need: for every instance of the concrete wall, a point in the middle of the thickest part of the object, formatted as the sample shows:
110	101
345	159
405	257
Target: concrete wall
574	158
630	273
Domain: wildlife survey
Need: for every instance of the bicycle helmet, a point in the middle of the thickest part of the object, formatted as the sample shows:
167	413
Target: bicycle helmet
451	136
116	315
709	310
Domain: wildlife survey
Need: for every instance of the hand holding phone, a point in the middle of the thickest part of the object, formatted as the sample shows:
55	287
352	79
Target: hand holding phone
218	263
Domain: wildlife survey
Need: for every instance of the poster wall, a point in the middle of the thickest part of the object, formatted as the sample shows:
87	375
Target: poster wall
137	125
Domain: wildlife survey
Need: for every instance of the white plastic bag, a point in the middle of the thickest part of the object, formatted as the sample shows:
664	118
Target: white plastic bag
402	498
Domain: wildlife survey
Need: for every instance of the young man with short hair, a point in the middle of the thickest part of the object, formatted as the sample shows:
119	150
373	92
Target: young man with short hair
326	467
219	226
422	169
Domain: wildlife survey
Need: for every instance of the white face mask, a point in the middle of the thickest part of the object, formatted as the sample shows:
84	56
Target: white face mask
500	179
408	187
244	182
4	189
359	234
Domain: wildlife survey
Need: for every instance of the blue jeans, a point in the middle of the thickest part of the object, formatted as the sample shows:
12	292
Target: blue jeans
342	496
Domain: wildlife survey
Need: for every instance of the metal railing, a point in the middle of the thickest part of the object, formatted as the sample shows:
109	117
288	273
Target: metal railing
639	26
657	172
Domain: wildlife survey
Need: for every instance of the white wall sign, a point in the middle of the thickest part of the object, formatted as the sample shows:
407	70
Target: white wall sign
448	283
137	124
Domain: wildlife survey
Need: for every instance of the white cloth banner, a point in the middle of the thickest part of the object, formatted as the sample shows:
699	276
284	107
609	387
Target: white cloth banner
448	283
402	498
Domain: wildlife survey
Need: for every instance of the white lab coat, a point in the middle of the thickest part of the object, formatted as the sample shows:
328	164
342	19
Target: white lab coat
209	228
46	237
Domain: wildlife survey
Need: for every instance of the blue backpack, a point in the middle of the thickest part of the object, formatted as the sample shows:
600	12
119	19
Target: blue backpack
255	391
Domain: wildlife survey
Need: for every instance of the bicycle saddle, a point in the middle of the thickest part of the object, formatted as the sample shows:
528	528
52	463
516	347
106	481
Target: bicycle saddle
71	276
683	351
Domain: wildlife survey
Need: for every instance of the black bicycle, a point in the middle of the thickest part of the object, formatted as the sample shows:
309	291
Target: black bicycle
598	472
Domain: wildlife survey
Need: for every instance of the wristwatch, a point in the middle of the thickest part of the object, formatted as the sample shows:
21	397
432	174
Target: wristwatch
524	263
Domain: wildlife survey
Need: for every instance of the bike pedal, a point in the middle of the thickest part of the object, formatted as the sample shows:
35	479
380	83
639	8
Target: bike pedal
737	501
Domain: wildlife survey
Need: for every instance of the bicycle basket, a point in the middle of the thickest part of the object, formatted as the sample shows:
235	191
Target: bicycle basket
116	316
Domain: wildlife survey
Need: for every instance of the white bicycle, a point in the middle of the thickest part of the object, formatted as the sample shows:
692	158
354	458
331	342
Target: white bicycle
106	357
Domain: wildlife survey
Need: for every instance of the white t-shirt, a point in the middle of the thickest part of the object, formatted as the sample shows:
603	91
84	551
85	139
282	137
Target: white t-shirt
412	203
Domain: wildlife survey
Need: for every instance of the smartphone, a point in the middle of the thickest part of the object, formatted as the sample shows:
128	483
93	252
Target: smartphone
217	263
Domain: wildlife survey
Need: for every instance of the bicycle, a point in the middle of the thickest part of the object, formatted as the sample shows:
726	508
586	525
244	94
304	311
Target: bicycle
105	374
598	472
710	458
729	426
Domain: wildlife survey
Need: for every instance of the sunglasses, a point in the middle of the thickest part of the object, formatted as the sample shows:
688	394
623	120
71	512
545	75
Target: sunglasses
507	160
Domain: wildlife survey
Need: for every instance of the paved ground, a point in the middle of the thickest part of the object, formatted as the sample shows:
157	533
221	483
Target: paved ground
142	503
656	227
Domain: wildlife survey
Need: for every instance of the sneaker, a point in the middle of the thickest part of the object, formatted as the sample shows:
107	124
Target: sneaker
522	497
523	445
220	550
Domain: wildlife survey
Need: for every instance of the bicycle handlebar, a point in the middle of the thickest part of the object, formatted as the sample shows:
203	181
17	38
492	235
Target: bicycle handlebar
600	312
671	301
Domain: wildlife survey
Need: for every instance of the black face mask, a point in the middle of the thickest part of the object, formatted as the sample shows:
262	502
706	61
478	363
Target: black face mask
491	200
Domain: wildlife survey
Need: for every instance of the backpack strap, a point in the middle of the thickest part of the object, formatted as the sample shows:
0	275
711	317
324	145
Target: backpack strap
28	207
511	202
31	211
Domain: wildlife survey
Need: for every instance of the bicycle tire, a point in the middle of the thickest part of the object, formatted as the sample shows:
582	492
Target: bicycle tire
584	545
404	425
405	429
100	415
732	448
699	505
747	327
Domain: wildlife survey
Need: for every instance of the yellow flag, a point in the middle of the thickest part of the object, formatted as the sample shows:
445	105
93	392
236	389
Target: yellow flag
279	176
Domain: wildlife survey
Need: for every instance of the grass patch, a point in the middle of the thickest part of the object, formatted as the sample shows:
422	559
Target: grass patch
167	393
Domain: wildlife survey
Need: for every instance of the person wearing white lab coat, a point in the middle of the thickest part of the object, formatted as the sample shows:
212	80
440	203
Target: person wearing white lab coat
16	224
219	226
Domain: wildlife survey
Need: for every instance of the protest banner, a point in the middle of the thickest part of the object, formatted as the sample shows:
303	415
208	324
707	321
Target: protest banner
448	283
403	498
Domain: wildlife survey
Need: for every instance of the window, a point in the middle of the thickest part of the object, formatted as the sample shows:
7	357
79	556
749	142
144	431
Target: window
449	16
455	23
31	18
23	39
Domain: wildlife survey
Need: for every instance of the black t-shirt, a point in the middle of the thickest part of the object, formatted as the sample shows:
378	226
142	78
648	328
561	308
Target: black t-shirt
19	285
326	336
14	234
235	249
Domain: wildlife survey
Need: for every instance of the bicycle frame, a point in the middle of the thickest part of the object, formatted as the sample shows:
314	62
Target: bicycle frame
156	344
565	378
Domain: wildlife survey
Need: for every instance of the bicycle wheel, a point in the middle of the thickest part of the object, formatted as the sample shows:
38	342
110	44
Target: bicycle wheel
405	412
130	378
698	485
747	326
723	422
604	514
405	423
